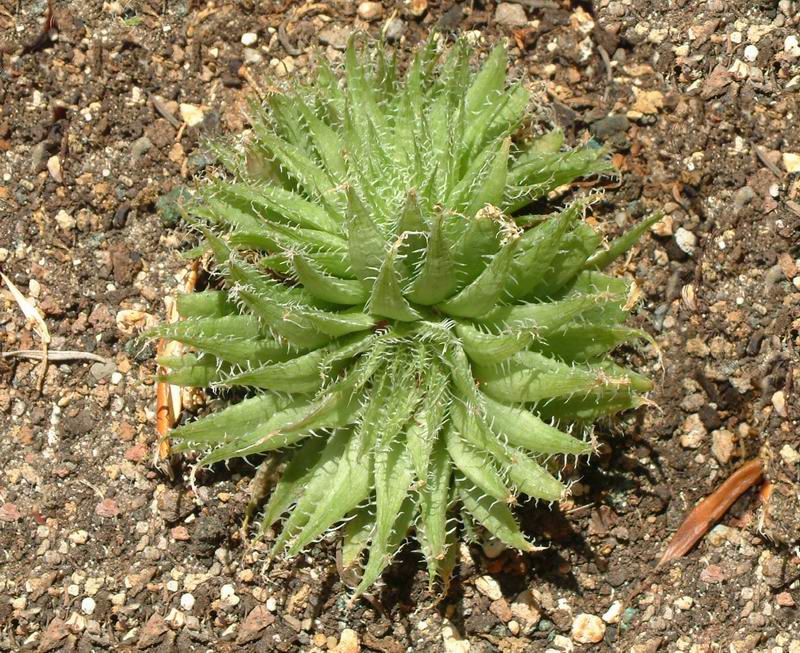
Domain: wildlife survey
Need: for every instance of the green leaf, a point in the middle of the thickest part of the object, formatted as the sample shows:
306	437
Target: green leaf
233	423
355	537
543	317
611	292
424	429
387	297
394	475
485	291
489	82
209	303
489	348
343	491
302	464
532	377
586	342
434	500
538	249
233	338
494	516
479	242
602	259
278	204
298	375
524	429
366	242
476	465
327	287
493	184
191	370
436	279
327	143
527	476
576	248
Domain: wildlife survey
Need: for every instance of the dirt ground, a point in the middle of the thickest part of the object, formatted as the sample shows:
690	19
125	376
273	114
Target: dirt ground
107	111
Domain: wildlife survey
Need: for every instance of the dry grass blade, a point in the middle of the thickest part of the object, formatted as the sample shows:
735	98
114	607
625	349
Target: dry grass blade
711	509
37	322
29	310
60	356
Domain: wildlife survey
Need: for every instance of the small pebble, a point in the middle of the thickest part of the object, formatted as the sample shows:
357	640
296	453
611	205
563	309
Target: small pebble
614	613
227	595
791	161
563	643
779	403
789	455
488	586
187	602
791	46
54	168
751	53
684	603
686	240
192	115
694	432
419	7
249	38
510	14
65	221
370	11
722	445
588	629
79	537
88	605
348	642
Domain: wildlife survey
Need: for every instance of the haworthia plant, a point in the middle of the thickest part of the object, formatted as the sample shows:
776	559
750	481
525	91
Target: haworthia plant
415	345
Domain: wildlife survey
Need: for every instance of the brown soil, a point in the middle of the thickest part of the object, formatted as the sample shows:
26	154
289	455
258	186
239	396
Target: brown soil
102	551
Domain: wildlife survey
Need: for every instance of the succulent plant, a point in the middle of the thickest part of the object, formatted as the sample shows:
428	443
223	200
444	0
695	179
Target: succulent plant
415	348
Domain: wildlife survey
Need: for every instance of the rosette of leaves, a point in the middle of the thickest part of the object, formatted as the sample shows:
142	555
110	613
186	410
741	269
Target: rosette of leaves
414	342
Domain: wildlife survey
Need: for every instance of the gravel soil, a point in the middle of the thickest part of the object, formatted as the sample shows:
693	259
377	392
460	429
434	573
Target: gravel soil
104	107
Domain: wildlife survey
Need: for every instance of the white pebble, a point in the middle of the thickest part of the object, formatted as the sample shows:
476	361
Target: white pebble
187	601
751	53
249	38
614	613
488	586
370	10
116	377
79	537
686	240
88	605
227	594
779	403
65	221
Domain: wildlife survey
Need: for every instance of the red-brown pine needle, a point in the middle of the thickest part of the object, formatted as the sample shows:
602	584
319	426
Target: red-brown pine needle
711	509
